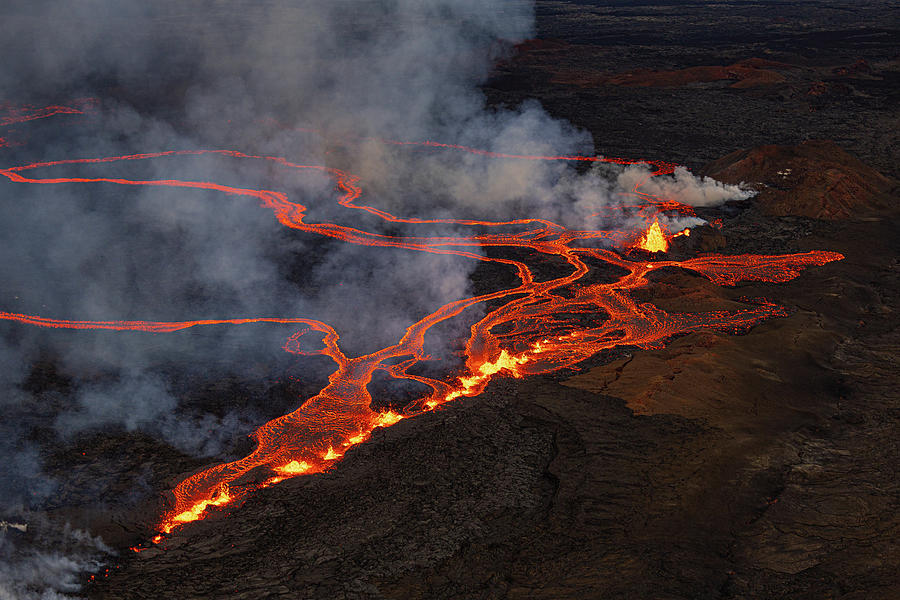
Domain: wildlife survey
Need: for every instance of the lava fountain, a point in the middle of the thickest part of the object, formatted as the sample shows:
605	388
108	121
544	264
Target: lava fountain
538	327
653	240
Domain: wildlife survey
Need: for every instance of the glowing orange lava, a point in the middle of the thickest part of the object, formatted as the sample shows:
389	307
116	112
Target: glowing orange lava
541	327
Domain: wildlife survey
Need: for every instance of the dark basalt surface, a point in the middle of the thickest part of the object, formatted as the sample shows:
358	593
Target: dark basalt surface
753	466
827	93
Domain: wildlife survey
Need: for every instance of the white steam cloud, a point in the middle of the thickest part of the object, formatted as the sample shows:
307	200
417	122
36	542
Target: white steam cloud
684	187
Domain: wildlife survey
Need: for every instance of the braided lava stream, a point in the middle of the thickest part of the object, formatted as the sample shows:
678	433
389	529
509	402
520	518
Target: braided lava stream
543	326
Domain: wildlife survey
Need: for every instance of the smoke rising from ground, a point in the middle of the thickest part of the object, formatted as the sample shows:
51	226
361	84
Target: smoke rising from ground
40	561
684	187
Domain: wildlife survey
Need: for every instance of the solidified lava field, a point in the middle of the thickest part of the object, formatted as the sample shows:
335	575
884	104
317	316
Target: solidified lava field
740	441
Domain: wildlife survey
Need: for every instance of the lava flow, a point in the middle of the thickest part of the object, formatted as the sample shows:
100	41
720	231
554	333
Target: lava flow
541	327
12	114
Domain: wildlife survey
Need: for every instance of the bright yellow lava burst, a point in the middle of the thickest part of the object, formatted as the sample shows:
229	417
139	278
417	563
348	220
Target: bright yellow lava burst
193	513
294	468
654	240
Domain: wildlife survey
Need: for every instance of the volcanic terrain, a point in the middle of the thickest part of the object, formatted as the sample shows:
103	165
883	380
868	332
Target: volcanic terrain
760	464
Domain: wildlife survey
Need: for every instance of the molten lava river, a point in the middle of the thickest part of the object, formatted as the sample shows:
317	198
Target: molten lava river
531	328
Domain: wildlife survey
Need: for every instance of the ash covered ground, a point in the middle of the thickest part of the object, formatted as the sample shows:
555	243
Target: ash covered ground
753	466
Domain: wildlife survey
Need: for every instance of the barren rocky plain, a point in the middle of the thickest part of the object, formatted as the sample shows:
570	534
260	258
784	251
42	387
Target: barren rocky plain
760	465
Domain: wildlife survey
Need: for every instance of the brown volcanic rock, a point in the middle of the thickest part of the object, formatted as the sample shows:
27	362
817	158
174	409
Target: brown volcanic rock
813	179
746	73
696	375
